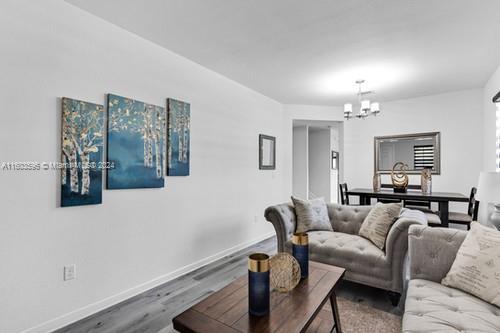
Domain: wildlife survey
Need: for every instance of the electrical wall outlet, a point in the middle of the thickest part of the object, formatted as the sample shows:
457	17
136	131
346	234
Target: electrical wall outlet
69	272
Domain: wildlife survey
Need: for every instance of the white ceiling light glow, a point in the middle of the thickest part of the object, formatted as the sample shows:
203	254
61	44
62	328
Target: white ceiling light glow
380	77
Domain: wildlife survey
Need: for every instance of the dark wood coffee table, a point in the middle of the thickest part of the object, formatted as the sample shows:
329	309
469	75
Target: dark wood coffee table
226	311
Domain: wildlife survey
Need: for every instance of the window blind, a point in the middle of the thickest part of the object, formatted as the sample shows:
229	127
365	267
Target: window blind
423	157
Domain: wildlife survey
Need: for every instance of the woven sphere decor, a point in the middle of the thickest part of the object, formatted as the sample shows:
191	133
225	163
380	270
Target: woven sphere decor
285	272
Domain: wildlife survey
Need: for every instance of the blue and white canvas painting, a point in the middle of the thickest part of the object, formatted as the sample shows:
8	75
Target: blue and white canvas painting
136	144
179	118
82	150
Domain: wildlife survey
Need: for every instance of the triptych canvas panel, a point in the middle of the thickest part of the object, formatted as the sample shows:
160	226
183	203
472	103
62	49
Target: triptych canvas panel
81	151
179	134
144	144
136	144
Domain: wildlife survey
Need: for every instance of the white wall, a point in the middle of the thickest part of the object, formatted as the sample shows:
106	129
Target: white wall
300	179
457	115
490	89
337	144
136	238
314	112
319	164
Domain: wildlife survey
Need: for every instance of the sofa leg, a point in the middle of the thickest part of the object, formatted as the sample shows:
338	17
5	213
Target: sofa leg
394	297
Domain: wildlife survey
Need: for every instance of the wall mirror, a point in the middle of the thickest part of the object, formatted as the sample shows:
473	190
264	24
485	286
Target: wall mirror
419	151
267	152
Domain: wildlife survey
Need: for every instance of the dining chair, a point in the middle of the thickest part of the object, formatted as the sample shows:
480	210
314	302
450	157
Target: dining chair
424	206
471	215
433	217
344	198
387	200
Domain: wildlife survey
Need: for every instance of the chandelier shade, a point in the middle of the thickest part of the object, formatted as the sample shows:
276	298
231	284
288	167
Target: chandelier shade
365	105
347	108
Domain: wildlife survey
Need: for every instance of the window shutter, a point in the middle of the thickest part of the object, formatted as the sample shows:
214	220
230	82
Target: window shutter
423	157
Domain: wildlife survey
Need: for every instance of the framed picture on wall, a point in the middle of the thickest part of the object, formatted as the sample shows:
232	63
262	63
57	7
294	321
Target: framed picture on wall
267	152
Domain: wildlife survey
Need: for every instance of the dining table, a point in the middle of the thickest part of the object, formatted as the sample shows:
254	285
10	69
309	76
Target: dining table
443	199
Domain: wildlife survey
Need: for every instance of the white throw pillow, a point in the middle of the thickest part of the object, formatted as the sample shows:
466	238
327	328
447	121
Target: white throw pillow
378	222
311	215
476	269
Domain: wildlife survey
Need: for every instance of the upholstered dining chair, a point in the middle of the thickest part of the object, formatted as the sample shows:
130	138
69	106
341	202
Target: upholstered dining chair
471	215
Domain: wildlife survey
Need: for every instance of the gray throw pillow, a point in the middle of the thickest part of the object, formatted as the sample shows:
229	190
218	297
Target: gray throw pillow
311	215
378	222
476	269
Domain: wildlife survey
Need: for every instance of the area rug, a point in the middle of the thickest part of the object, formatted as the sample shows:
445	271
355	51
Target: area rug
356	318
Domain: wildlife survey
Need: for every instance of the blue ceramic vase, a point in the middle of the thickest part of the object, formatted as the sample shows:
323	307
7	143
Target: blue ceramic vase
300	250
258	284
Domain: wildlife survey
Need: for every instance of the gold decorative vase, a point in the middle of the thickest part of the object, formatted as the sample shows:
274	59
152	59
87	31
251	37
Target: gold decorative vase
426	181
377	184
399	177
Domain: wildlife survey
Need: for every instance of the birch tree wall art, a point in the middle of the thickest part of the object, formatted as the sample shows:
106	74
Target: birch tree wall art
136	144
82	142
179	118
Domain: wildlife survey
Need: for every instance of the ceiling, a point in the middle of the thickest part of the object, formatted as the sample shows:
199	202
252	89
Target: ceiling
311	52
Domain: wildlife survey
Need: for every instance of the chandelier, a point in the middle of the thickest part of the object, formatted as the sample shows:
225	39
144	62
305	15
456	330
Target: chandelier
365	107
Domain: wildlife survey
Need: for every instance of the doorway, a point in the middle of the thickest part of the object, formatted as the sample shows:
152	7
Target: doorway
317	162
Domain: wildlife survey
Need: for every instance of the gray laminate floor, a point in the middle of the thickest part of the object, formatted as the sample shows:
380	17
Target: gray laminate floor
153	310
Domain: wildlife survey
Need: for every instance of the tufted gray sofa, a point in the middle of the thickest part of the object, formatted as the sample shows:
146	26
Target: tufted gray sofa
364	262
432	307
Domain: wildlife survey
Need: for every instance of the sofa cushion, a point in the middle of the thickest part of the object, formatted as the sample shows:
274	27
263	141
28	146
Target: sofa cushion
377	224
434	308
347	219
477	265
352	252
433	219
460	217
311	215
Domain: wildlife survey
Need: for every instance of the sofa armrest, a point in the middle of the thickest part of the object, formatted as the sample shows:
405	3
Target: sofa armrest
432	251
396	245
284	221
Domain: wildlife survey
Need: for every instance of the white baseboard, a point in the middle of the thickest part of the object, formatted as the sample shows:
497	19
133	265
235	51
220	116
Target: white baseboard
90	309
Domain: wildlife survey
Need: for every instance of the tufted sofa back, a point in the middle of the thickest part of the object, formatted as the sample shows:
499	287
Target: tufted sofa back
347	219
432	251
